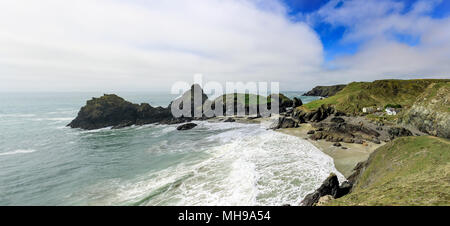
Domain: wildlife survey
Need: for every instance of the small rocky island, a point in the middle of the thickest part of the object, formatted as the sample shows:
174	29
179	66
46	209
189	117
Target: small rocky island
113	111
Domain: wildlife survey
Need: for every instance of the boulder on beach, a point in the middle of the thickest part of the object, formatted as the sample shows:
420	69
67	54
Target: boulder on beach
230	120
187	126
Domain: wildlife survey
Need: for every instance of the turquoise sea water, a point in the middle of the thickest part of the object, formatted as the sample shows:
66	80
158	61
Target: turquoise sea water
42	162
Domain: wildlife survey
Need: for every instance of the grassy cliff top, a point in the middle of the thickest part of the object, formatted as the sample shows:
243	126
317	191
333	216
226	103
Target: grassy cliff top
244	99
407	171
358	95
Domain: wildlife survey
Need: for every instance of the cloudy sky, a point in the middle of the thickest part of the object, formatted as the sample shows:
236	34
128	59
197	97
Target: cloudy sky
143	45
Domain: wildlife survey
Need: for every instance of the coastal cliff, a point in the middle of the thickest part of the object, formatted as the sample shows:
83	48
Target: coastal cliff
431	112
411	168
325	91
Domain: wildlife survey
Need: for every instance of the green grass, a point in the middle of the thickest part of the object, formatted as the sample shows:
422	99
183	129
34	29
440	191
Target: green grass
245	99
408	171
357	95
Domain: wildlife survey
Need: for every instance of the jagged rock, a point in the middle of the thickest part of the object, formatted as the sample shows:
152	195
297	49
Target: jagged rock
337	144
329	187
395	132
296	102
112	110
187	126
311	132
314	116
337	120
430	113
194	99
230	120
325	91
286	122
316	136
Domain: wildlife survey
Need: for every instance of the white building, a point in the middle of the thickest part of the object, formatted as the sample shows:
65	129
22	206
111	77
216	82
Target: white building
391	111
368	110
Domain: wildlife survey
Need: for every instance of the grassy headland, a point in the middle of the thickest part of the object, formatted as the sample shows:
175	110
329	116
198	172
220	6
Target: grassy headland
406	171
358	95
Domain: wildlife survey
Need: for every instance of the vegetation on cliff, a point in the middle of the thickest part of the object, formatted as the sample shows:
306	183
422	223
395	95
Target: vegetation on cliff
431	112
358	95
324	91
407	171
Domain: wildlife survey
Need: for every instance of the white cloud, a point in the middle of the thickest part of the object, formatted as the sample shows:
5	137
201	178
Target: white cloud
377	25
100	45
144	45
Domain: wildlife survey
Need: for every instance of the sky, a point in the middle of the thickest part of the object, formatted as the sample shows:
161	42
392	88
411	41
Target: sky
148	45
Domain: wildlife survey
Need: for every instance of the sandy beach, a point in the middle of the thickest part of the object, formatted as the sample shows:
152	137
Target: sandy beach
344	159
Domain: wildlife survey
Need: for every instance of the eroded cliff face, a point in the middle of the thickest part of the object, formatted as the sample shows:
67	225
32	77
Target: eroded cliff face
431	112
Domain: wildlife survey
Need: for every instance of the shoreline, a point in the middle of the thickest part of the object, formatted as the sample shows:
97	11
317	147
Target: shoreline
345	160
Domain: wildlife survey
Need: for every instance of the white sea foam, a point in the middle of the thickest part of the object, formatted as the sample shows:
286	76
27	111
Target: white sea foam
19	151
18	115
249	166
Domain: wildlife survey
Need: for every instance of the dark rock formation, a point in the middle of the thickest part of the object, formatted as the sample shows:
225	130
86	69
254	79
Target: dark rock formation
188	100
337	120
430	113
229	120
285	122
395	132
187	126
311	132
296	102
344	132
317	115
329	187
112	110
325	91
337	144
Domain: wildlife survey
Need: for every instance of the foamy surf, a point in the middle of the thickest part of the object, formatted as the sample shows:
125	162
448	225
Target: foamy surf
20	151
249	166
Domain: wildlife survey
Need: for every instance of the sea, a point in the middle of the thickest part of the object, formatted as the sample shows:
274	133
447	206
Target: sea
44	162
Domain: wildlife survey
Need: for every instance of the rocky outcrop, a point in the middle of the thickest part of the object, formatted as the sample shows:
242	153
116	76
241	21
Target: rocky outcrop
395	132
329	187
317	115
187	126
229	120
296	102
430	113
325	91
113	111
285	122
283	101
194	107
344	132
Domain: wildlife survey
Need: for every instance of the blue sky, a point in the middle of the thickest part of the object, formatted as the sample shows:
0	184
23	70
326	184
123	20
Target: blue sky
331	36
